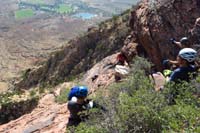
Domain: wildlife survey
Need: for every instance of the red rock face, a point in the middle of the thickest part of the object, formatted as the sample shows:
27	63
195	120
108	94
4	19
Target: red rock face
156	21
48	117
195	35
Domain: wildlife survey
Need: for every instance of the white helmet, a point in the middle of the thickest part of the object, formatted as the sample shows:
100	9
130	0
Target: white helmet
184	41
188	54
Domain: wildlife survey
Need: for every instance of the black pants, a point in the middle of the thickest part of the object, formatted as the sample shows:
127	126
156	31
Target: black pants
73	122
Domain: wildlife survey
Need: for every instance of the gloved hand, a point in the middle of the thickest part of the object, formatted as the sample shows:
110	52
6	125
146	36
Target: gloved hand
88	104
172	40
97	105
91	104
165	62
87	101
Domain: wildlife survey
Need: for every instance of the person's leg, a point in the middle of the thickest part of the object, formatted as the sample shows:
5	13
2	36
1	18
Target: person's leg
73	122
74	109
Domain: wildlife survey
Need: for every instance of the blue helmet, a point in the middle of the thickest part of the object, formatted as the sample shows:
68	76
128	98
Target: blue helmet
82	91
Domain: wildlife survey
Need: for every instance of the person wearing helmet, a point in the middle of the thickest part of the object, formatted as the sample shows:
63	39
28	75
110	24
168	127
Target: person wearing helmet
184	72
77	91
183	43
185	60
77	103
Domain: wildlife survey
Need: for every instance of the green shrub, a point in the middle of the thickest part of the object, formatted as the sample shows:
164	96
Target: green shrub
134	106
7	96
180	118
32	93
85	128
24	13
62	98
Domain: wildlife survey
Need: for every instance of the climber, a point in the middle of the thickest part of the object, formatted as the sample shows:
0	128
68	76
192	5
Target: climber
183	43
185	71
121	67
185	61
78	103
121	59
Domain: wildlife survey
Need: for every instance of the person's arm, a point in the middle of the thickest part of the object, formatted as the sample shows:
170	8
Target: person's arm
173	62
126	63
178	44
174	76
173	41
93	104
97	105
168	62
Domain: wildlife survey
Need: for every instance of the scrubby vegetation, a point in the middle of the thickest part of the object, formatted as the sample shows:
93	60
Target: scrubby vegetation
7	97
14	104
24	13
134	106
36	1
62	98
64	9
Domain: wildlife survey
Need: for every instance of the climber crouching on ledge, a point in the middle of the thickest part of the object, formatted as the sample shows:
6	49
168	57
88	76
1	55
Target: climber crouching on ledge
78	102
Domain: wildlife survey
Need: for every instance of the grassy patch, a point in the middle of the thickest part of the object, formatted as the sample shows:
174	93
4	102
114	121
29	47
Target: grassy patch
36	1
7	97
62	98
64	9
24	13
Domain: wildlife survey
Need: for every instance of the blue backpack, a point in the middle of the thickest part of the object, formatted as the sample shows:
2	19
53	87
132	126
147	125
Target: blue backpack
73	92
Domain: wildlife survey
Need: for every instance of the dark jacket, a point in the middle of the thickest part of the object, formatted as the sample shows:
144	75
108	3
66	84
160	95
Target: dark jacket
182	74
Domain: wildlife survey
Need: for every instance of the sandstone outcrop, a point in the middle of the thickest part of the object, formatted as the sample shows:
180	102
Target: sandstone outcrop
101	75
154	22
48	117
14	110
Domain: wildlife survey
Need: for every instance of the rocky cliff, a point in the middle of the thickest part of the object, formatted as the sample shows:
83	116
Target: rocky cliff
48	117
154	22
